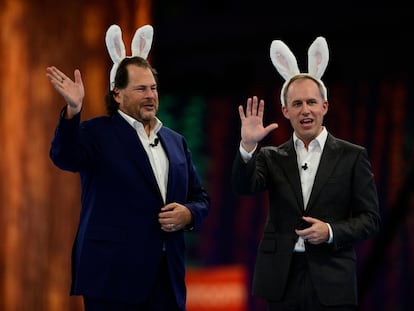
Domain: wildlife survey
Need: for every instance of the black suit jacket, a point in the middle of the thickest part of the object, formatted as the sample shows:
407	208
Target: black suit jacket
344	195
119	241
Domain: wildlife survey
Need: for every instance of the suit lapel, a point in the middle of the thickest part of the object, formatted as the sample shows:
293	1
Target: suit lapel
290	167
168	148
134	149
175	155
329	158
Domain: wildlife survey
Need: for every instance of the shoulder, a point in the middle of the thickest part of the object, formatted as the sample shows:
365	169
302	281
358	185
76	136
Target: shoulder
283	149
342	143
97	121
172	138
103	125
169	132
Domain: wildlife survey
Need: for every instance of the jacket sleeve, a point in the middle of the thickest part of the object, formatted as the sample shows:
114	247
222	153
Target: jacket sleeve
249	178
198	200
65	147
365	218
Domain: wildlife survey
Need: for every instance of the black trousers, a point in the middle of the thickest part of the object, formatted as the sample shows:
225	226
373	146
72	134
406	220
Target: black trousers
300	293
161	298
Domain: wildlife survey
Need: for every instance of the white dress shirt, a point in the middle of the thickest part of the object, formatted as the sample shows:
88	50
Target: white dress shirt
308	162
156	154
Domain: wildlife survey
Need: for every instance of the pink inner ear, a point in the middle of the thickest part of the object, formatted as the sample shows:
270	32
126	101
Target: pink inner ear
142	44
282	60
118	48
318	57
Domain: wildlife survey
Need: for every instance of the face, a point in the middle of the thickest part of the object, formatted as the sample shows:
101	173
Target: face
140	98
305	108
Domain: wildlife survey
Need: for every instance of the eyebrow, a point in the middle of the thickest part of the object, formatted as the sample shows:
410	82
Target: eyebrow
144	85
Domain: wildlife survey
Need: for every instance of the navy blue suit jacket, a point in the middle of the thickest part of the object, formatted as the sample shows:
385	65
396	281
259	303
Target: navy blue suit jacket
344	195
119	242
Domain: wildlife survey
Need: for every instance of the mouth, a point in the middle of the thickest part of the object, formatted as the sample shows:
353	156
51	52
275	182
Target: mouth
149	106
306	121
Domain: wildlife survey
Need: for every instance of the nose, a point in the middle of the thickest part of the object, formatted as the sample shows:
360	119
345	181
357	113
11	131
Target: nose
149	92
305	109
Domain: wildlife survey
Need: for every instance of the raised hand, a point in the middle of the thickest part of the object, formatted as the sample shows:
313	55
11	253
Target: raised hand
73	92
252	129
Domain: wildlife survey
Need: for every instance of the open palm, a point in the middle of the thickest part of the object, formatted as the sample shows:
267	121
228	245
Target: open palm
73	92
252	129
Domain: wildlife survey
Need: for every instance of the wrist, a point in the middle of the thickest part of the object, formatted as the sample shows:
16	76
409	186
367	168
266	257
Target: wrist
248	146
70	111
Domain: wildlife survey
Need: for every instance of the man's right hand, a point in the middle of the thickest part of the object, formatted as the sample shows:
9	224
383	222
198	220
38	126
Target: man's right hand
73	92
252	130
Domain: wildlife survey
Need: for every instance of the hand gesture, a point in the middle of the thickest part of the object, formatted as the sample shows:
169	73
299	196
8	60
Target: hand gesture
317	231
174	217
72	91
252	129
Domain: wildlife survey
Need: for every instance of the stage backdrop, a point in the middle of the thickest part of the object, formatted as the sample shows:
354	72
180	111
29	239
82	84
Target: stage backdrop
210	55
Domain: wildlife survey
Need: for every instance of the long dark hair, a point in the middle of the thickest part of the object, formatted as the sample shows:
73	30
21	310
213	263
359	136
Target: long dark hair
122	79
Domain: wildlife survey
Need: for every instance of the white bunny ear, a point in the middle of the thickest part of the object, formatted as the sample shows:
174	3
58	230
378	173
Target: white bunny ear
318	57
142	40
116	49
283	59
114	43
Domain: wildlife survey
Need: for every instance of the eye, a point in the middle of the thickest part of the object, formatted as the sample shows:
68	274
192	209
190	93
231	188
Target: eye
144	88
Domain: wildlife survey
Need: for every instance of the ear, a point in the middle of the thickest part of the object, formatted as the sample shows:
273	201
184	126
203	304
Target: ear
116	49
318	57
114	43
325	106
285	112
142	40
116	95
283	59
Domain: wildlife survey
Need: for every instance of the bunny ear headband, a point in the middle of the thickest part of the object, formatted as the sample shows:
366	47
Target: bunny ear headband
287	66
140	46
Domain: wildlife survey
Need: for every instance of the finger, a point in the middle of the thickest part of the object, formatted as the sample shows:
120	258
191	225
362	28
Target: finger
58	75
260	110
164	215
249	107
78	77
310	220
271	127
168	207
241	113
55	72
254	106
304	233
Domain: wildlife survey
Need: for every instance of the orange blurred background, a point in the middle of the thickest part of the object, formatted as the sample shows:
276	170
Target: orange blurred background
40	204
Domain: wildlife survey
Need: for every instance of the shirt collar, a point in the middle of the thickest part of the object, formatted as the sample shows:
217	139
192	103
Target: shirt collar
134	123
320	139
